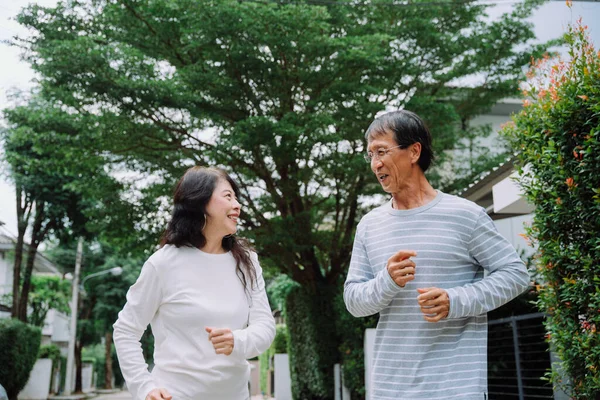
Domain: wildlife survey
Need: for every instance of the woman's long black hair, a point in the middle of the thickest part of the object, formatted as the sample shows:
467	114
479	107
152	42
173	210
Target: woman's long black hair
192	194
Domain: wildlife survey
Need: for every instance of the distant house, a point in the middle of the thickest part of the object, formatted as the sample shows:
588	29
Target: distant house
496	190
56	327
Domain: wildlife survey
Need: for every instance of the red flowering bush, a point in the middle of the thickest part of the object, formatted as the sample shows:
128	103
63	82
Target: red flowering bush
557	137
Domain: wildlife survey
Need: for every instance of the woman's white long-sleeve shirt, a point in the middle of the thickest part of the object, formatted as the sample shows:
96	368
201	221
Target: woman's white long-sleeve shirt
180	292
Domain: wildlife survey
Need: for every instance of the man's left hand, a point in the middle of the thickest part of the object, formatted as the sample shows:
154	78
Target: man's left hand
434	302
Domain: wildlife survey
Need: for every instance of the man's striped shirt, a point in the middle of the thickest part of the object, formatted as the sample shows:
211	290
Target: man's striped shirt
455	241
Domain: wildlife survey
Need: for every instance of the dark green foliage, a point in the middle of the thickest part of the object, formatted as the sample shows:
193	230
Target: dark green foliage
18	354
263	361
313	342
352	336
50	351
63	372
558	138
280	343
147	341
48	292
279	346
290	89
57	187
119	380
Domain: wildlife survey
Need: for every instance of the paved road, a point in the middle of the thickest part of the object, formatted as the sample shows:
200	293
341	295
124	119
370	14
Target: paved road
114	396
127	396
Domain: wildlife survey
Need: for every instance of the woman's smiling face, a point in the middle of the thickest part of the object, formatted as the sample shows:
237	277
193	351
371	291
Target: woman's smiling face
222	210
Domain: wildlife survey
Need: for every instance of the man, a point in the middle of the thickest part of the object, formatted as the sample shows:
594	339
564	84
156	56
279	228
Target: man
419	261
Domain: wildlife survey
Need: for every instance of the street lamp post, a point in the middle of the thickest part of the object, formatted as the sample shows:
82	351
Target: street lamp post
73	325
113	271
74	302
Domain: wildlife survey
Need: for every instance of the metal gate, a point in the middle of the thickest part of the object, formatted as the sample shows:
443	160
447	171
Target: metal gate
518	358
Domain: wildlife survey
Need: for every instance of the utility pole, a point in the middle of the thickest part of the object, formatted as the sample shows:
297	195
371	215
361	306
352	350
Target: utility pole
73	327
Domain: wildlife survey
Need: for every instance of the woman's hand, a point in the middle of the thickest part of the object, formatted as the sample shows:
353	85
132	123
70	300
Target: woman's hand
159	394
221	339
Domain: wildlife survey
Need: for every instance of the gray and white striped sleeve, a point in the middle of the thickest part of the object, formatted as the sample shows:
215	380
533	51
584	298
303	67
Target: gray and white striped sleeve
365	293
507	278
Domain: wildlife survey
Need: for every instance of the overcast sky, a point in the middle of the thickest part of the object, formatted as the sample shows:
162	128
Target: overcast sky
550	21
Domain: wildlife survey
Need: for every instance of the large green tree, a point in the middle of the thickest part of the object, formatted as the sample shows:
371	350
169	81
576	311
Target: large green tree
60	182
280	93
38	148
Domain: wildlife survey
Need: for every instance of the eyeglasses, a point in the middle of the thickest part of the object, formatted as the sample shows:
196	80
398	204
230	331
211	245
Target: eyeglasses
380	153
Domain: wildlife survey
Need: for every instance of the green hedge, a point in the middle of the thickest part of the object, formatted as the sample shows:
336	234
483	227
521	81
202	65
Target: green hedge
263	362
119	379
63	373
279	346
50	351
20	344
96	354
352	338
313	342
280	343
558	138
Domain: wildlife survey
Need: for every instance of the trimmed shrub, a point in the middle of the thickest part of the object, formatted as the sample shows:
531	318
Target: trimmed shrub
95	354
313	341
557	136
50	351
279	346
18	354
119	380
280	343
263	361
352	335
63	373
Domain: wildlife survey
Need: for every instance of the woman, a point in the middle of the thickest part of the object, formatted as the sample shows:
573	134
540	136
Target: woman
203	294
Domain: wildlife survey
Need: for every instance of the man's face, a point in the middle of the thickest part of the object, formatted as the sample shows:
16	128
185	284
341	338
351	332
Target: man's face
390	164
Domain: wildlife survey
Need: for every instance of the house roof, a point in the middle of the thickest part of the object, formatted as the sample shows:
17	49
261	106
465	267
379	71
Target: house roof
41	265
6	243
483	184
480	191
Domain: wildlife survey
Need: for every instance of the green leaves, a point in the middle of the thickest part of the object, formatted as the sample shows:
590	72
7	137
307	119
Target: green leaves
286	90
557	135
48	292
279	93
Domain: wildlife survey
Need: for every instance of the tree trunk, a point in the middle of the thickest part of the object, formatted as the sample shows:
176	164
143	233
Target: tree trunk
78	368
108	360
313	346
36	238
23	219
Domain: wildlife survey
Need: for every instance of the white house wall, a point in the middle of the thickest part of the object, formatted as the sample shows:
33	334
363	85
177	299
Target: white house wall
512	229
508	197
6	273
